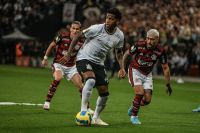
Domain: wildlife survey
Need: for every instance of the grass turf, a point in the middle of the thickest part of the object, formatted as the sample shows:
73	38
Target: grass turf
165	114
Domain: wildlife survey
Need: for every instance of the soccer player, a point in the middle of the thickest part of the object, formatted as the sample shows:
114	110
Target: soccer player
61	43
99	39
146	53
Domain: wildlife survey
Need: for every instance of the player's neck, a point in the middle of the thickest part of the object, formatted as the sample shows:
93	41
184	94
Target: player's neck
110	30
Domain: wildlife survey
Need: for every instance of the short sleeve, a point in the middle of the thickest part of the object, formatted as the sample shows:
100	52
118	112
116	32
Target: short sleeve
132	49
91	31
58	39
163	58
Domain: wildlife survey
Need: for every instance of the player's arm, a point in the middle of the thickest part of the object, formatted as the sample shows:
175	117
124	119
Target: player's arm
124	59
131	51
166	72
74	42
119	57
47	53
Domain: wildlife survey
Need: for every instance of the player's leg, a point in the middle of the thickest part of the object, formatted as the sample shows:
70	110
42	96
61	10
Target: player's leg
84	68
135	79
147	97
100	105
148	89
77	81
52	89
102	87
139	93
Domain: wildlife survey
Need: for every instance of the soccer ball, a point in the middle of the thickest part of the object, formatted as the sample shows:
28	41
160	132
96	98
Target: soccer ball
83	118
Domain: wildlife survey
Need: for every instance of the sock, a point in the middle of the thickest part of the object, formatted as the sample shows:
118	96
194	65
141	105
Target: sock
86	93
88	106
100	105
52	90
136	104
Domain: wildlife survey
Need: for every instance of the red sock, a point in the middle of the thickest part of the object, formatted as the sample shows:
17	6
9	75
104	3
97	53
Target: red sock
52	90
136	104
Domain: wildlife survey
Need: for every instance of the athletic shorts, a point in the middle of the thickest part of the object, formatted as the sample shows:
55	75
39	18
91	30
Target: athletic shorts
68	72
99	71
137	78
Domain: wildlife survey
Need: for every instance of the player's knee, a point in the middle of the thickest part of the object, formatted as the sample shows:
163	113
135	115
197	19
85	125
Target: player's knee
58	78
147	101
90	82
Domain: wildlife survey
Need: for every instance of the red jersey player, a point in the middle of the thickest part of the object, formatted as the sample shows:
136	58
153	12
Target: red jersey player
146	53
61	43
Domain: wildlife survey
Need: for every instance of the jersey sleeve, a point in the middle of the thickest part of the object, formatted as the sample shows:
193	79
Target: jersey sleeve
58	39
163	58
133	49
121	42
91	31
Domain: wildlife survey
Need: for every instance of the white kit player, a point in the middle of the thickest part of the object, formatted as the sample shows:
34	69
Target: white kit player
99	40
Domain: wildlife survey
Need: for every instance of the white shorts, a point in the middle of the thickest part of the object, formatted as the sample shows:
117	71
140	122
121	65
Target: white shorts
137	78
68	72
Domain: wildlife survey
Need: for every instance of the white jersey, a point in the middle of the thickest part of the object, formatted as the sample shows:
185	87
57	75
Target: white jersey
98	43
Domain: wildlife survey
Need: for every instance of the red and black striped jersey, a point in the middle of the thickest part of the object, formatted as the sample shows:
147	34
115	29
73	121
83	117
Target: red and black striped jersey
63	42
145	58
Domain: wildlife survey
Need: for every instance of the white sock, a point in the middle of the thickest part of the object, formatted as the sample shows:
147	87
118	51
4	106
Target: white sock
86	93
100	105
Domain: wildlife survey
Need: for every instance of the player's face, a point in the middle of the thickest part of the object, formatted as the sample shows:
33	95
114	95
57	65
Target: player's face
74	29
152	41
111	21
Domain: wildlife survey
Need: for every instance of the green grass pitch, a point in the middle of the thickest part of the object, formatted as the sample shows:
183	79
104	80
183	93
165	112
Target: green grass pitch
165	114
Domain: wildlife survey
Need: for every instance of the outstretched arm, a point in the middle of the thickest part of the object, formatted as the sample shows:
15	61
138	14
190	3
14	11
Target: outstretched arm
166	72
48	51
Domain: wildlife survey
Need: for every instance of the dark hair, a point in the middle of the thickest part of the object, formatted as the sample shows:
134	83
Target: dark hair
115	12
76	22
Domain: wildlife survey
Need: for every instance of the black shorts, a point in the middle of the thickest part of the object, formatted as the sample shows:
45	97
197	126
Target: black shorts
99	71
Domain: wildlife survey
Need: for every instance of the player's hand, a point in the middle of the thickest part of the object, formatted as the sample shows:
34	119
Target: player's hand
121	73
44	62
169	89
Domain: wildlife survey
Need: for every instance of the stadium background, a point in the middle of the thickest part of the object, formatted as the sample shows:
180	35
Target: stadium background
177	20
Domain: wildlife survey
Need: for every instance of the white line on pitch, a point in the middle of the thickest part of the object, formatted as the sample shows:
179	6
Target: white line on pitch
13	103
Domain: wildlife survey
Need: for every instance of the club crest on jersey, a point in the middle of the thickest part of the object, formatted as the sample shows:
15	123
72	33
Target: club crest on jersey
66	44
89	67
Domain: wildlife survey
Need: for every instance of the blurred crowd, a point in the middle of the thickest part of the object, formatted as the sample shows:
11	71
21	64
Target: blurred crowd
22	13
178	22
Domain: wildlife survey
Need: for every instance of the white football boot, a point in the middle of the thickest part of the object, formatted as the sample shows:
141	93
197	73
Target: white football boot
90	111
98	121
46	105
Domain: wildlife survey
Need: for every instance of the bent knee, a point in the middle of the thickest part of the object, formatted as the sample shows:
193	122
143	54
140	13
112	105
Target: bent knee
90	82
